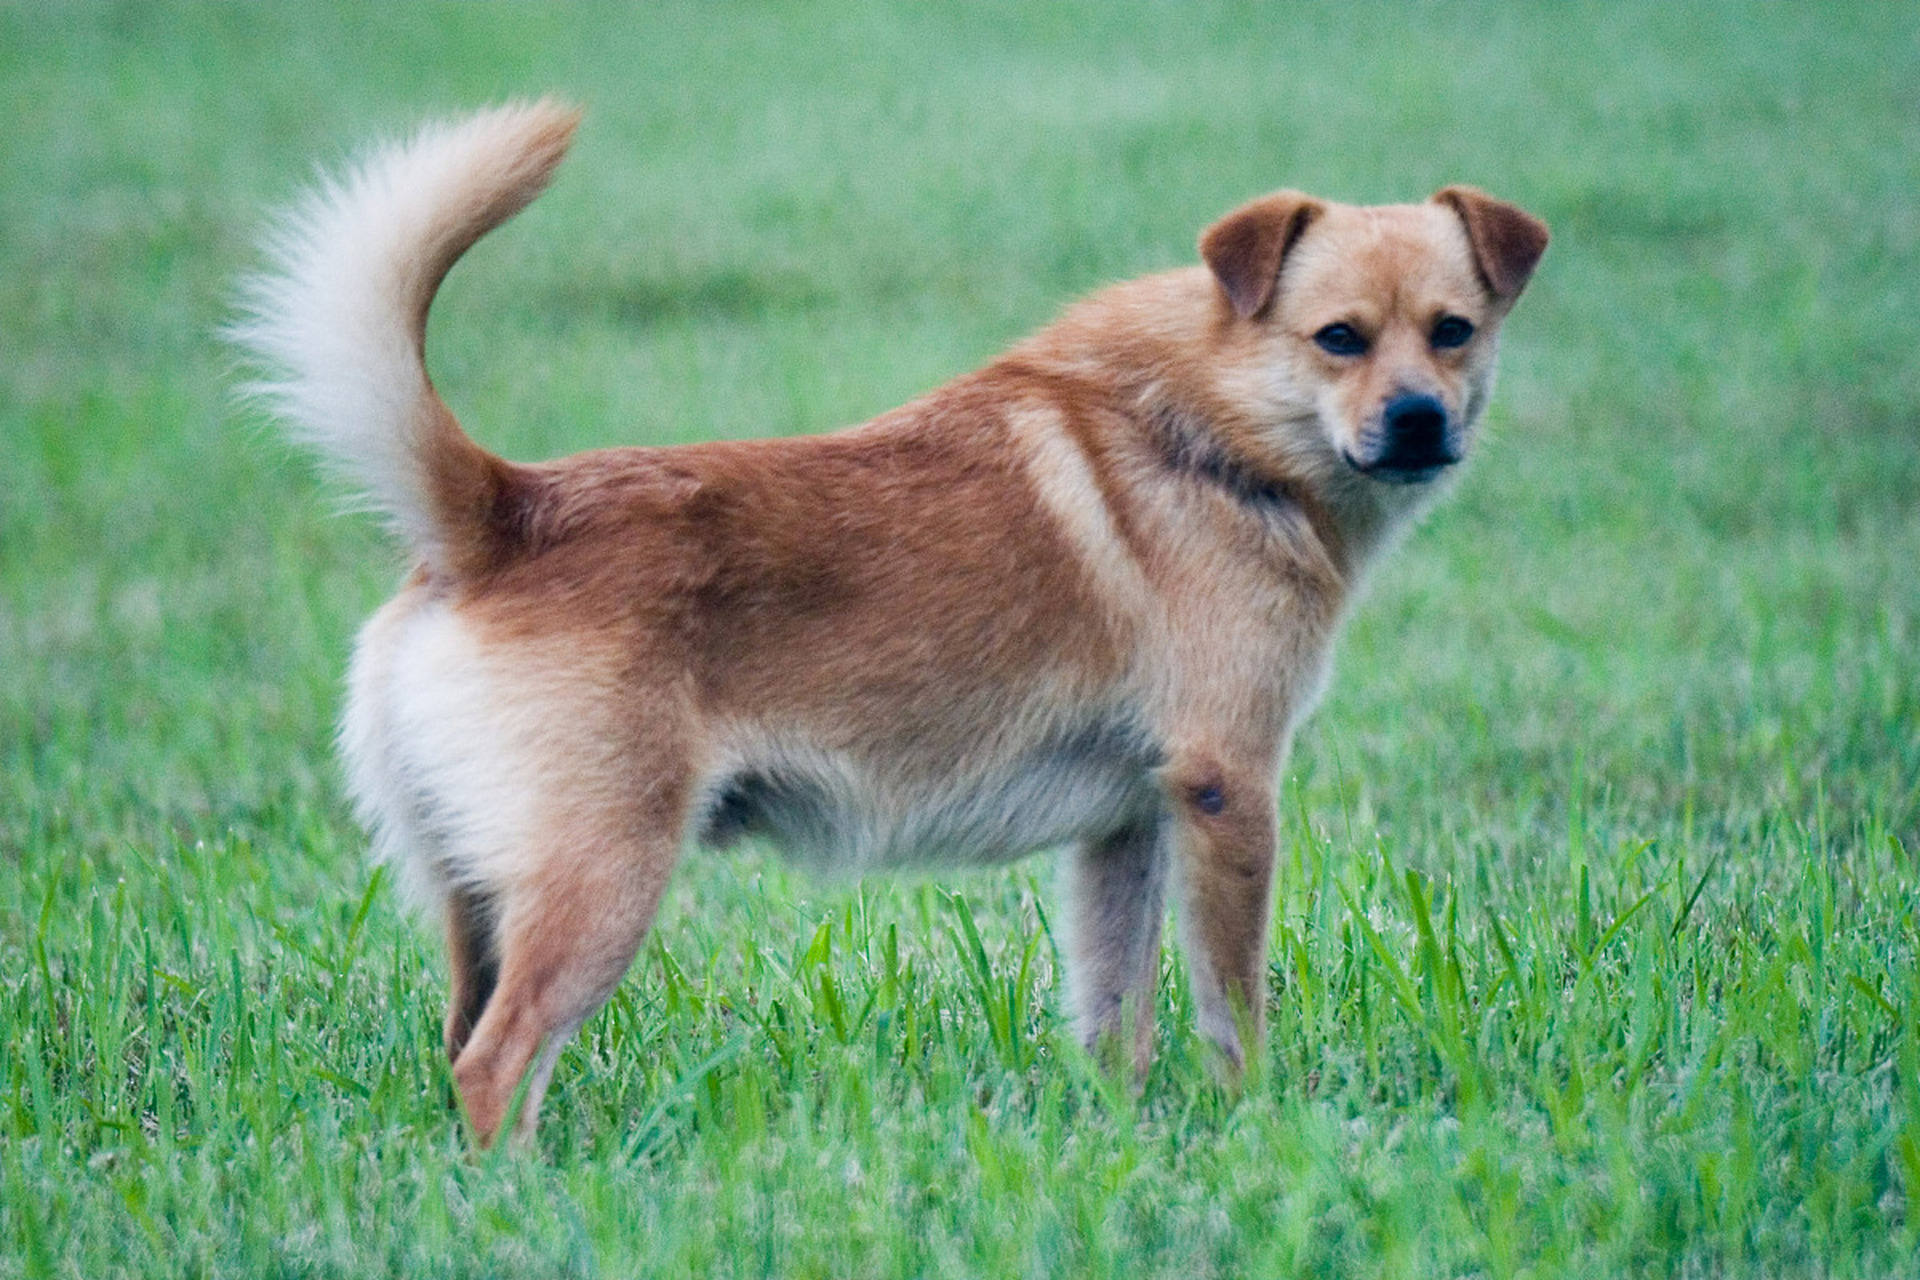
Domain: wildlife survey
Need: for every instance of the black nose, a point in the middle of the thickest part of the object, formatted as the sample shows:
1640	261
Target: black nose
1415	427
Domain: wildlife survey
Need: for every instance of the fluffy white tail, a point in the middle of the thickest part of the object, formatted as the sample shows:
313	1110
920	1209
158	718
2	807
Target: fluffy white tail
337	322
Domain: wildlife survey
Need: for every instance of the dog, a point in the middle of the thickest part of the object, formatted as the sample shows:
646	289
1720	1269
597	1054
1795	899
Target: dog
1077	599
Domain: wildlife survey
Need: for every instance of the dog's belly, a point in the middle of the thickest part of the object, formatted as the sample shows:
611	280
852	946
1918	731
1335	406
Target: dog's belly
832	810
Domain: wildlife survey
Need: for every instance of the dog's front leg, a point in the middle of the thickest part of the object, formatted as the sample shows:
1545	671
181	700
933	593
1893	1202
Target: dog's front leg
1115	894
1224	834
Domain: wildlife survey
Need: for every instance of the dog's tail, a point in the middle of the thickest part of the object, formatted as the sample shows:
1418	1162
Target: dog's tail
337	323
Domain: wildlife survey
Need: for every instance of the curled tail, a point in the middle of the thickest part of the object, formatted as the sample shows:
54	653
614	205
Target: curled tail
338	320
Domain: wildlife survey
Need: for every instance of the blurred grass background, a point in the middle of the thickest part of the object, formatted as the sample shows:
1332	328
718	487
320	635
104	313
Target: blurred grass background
1596	950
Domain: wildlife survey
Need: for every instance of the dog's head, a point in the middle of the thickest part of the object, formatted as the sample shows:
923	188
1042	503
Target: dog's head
1379	322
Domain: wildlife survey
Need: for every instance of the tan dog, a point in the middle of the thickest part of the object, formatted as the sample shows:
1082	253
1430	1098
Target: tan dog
1078	598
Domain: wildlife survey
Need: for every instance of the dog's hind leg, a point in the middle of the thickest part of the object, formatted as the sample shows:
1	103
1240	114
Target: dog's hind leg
474	963
566	932
1115	892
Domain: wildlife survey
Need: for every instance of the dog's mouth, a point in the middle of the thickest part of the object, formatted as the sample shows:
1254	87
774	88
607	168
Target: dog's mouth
1411	443
1402	470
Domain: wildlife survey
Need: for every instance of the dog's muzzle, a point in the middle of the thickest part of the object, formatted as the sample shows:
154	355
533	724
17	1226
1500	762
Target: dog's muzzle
1412	444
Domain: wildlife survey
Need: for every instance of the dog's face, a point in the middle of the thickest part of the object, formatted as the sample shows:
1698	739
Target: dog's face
1380	322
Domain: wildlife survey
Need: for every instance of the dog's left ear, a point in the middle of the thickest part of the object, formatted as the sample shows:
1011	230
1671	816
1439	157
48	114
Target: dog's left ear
1245	248
1507	240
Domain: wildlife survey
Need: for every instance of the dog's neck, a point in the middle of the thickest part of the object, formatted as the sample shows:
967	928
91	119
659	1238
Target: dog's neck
1356	519
1186	446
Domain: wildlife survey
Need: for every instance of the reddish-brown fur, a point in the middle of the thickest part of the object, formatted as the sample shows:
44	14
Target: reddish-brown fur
1114	558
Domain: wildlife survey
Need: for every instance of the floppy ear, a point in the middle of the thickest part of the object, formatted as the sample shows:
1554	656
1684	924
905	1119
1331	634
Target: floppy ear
1246	247
1507	240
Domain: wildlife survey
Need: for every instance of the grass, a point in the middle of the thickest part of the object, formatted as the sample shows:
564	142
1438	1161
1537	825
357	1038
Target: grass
1595	951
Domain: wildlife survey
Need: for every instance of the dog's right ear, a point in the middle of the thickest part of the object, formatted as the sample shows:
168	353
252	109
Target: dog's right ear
1245	248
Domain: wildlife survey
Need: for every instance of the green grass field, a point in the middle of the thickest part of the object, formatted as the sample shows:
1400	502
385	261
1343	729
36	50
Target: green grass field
1595	950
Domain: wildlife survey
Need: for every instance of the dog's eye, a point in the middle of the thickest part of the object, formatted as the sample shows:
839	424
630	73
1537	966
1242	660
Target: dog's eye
1341	340
1451	331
